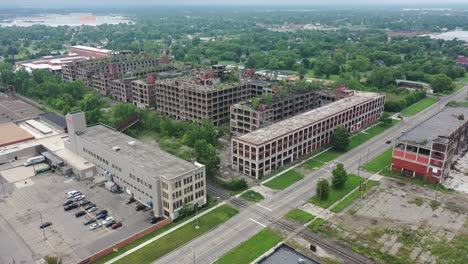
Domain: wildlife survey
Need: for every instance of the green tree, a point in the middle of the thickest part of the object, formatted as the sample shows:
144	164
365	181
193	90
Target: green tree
340	138
121	112
205	153
441	83
255	102
385	119
322	189
339	176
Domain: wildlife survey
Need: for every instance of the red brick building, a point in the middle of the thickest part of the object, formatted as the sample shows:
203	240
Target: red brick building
426	151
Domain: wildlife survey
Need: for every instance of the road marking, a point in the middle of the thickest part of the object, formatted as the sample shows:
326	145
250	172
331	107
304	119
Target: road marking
257	222
264	207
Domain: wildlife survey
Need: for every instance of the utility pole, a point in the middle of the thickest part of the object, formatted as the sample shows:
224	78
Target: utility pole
193	253
43	229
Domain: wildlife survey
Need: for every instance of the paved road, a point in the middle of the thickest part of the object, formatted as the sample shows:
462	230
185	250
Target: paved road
216	243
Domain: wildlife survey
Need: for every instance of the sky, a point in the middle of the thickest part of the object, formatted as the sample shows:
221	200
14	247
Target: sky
95	3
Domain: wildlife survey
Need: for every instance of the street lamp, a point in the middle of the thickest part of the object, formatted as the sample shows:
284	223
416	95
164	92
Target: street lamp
196	216
43	229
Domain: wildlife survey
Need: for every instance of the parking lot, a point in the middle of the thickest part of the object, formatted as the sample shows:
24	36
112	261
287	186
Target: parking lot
21	209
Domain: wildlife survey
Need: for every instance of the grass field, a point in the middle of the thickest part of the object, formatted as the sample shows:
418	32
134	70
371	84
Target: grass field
299	216
463	79
284	180
462	104
150	236
313	164
328	155
252	196
352	182
179	237
353	196
251	249
419	106
315	225
380	162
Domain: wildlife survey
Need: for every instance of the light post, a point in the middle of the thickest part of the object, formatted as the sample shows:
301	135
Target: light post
196	216
3	187
193	253
43	229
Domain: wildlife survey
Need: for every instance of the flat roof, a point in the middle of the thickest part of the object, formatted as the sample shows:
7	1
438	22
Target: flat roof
12	110
147	157
296	122
54	118
285	254
442	124
12	134
92	49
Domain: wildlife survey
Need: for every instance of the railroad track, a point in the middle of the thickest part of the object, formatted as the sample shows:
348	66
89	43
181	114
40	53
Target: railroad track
331	248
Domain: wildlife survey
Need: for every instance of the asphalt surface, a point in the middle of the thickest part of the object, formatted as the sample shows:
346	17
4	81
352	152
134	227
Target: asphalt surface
211	246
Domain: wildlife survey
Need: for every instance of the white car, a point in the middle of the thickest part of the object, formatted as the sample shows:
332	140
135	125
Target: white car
94	226
79	198
107	220
93	209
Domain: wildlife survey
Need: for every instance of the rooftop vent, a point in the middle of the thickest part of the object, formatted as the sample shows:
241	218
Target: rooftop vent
116	148
132	143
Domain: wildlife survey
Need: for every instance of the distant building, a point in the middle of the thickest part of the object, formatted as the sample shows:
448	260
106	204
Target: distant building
121	89
462	61
50	63
96	53
426	151
144	92
413	85
152	176
258	153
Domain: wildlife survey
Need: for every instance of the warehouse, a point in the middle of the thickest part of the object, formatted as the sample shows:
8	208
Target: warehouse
154	177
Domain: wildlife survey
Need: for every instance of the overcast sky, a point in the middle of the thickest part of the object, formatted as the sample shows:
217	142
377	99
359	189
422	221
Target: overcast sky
89	3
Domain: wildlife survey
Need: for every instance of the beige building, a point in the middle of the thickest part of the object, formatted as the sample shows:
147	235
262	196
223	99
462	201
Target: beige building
154	177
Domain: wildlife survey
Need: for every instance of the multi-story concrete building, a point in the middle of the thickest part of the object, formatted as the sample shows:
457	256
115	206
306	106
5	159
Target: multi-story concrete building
203	96
426	151
259	152
121	89
144	92
154	177
246	118
98	74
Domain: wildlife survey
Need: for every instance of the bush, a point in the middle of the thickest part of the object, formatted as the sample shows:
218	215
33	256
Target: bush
233	185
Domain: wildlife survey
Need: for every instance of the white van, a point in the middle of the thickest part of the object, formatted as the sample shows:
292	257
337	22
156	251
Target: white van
73	193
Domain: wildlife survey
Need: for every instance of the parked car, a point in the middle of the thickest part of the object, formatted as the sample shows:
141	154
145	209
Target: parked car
79	198
101	212
388	142
89	221
74	195
110	223
89	206
44	225
140	207
68	202
116	225
101	216
70	194
156	219
94	226
70	207
92	209
80	214
130	200
107	220
84	202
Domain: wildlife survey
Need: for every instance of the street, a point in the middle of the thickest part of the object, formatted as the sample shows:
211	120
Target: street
216	243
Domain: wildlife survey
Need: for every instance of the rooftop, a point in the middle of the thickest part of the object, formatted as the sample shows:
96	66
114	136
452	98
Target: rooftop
189	82
286	255
144	156
413	82
296	122
12	134
433	128
92	49
12	109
